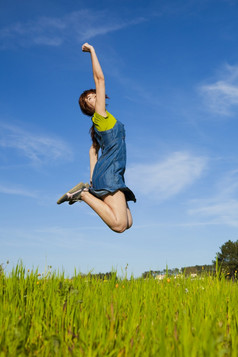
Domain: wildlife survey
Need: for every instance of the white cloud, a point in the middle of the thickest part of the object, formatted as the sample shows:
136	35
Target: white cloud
164	179
38	149
221	96
222	208
76	26
17	191
92	31
218	211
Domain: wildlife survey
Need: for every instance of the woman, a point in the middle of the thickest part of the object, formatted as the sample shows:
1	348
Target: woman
107	194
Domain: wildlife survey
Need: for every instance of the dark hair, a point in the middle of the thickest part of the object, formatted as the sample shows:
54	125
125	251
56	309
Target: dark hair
87	110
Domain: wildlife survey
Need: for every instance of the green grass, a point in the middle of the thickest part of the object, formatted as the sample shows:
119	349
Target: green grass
56	316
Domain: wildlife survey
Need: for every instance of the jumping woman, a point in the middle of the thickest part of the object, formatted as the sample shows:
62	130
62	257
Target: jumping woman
107	194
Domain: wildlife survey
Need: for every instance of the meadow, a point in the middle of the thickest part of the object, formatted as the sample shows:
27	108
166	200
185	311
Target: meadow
52	315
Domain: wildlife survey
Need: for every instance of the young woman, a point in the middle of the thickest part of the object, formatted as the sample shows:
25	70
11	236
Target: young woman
107	194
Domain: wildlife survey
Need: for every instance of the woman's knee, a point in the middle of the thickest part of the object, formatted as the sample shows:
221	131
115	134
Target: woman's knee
119	227
123	225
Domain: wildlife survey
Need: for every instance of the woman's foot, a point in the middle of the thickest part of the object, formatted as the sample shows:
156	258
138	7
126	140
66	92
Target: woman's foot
68	196
76	196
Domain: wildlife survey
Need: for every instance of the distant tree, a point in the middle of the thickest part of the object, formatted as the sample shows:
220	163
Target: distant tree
152	273
198	269
103	276
148	274
189	270
227	258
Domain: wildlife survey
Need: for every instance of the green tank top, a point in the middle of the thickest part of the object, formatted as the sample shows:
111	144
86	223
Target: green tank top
103	123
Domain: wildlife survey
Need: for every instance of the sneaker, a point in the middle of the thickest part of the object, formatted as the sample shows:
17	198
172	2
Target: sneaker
66	196
76	196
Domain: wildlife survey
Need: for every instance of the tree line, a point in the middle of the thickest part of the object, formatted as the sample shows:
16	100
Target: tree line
225	262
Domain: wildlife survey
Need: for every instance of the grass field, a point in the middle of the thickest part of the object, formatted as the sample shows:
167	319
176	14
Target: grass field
54	316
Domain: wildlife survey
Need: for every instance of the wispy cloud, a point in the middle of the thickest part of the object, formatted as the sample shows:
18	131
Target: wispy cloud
38	149
221	96
55	236
76	26
164	179
103	29
222	208
218	211
17	191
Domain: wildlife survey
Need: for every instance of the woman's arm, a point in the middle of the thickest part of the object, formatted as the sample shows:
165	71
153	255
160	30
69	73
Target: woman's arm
100	105
93	157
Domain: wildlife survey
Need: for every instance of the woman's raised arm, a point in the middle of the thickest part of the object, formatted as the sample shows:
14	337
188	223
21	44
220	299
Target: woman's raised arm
100	105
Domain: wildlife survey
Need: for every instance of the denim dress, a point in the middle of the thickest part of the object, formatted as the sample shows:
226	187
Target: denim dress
108	173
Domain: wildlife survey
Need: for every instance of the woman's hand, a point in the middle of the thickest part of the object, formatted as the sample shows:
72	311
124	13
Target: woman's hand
86	47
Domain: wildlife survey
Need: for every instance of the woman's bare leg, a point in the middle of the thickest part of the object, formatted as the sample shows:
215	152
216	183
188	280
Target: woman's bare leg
129	218
112	209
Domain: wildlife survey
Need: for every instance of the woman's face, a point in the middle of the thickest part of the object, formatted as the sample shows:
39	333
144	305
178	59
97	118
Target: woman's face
91	100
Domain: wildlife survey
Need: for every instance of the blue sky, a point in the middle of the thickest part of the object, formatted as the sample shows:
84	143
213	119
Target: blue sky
171	70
